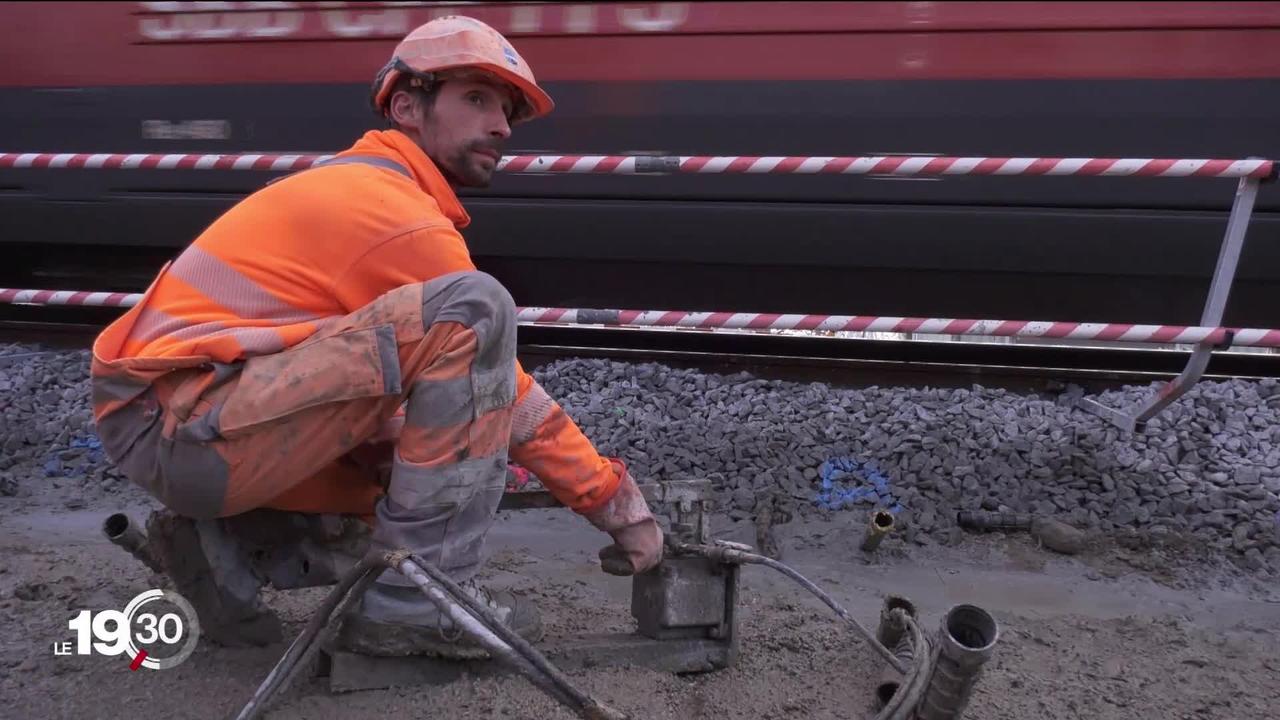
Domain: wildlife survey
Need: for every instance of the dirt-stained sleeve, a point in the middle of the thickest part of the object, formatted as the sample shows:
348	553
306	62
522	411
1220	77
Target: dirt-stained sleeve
546	441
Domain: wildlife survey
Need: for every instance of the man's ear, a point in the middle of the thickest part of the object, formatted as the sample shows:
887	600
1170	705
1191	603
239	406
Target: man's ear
406	110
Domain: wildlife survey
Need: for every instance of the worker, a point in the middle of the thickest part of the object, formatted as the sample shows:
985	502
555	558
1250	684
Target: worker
334	312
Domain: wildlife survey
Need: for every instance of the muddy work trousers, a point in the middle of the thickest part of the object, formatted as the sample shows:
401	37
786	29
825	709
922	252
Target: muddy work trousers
277	431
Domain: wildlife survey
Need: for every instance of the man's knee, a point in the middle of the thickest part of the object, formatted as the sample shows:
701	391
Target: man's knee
471	299
479	302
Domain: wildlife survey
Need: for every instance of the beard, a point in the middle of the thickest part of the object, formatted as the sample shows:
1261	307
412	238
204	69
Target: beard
466	169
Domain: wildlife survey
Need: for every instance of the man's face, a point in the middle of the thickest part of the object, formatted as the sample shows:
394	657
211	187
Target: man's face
465	129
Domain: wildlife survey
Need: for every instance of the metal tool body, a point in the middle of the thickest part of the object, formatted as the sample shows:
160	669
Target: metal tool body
685	612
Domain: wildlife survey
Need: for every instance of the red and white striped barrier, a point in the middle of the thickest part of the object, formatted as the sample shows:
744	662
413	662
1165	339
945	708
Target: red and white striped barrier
11	296
899	165
1113	332
187	161
895	165
1117	332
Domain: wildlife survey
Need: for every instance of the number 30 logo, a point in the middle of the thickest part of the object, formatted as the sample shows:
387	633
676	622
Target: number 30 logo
150	642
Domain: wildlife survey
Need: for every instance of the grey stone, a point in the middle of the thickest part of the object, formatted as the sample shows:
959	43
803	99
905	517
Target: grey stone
1240	535
926	521
1254	559
1058	536
1272	555
1210	462
1215	519
1202	502
1123	515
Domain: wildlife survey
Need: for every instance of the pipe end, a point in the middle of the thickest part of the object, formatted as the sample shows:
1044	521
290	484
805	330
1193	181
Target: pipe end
115	526
972	628
896	602
886	690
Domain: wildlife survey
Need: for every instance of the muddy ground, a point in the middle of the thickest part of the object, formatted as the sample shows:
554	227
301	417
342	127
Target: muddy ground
1127	630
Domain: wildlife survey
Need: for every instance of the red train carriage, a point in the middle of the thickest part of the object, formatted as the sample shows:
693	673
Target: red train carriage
1124	79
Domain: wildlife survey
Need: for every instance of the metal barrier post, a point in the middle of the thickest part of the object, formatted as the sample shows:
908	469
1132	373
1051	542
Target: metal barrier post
1224	274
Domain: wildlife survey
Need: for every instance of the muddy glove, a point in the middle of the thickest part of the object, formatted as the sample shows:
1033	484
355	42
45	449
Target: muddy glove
637	538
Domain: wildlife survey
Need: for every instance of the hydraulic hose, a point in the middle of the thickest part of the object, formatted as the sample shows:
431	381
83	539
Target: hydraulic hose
477	627
480	622
916	678
727	554
357	578
892	632
580	701
903	704
473	616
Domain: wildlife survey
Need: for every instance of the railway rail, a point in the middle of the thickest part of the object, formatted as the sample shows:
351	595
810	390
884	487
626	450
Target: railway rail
879	359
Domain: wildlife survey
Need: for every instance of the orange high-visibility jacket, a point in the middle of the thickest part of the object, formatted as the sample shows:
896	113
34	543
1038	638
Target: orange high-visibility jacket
324	244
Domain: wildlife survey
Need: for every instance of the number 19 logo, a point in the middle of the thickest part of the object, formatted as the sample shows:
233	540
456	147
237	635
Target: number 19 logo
150	644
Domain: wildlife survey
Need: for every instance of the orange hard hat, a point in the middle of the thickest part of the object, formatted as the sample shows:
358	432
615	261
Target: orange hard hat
456	43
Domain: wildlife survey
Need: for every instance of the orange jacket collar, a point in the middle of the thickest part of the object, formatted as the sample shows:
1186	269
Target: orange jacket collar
395	145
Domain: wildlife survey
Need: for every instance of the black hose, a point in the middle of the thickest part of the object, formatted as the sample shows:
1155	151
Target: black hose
903	703
362	574
470	624
586	704
915	679
357	591
733	555
351	587
355	581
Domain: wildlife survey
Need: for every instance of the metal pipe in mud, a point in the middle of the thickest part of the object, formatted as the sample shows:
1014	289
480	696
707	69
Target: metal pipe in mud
890	680
965	642
123	531
891	630
880	524
892	633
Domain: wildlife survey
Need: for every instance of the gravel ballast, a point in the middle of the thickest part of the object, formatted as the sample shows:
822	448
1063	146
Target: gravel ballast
1208	467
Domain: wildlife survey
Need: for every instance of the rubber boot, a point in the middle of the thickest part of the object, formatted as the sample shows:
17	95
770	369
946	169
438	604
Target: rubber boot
213	572
296	550
394	620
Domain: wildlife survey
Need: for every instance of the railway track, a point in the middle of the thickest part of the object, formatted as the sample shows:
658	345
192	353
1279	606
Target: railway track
838	361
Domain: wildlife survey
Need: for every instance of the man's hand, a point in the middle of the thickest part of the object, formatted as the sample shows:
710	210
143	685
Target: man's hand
636	535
